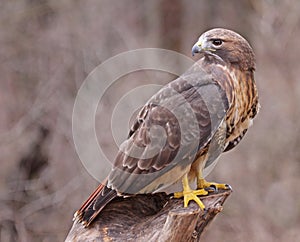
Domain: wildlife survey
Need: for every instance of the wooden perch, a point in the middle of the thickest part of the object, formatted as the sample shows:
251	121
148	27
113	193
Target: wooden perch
150	217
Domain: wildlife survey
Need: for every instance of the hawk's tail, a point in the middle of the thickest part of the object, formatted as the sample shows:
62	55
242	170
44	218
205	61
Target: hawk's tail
94	204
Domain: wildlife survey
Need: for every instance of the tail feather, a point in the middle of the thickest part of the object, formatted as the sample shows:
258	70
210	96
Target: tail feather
94	204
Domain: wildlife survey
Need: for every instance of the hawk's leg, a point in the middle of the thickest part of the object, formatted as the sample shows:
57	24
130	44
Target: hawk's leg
188	194
210	186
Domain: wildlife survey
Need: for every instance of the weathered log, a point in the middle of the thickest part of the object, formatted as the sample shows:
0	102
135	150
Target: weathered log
150	217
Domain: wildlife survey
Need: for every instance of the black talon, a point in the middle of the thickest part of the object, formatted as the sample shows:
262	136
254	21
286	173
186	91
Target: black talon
211	188
228	187
214	187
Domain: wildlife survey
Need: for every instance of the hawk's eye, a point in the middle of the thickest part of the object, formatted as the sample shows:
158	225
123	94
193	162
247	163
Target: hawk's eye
217	42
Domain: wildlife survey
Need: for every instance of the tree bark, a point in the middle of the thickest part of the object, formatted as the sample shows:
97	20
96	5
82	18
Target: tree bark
150	217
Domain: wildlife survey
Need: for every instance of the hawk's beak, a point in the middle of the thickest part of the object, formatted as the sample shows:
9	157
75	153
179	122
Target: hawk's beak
197	48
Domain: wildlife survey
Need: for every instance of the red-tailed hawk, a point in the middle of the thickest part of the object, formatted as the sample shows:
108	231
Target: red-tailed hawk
184	127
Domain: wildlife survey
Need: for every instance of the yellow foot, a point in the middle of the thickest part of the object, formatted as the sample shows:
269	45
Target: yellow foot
191	195
212	186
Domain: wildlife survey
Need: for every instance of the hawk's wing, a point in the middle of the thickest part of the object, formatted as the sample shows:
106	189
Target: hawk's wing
172	127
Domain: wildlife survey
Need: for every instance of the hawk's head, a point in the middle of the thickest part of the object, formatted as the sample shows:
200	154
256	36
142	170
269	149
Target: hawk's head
228	45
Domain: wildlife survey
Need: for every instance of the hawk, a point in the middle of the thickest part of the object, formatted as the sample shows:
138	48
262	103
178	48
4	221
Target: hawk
183	129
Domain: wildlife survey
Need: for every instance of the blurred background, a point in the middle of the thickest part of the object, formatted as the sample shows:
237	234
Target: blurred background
49	47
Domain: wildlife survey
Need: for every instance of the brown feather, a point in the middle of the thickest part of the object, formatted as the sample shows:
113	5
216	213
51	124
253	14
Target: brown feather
220	93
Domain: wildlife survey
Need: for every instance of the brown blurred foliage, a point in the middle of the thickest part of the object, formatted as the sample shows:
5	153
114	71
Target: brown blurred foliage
49	47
